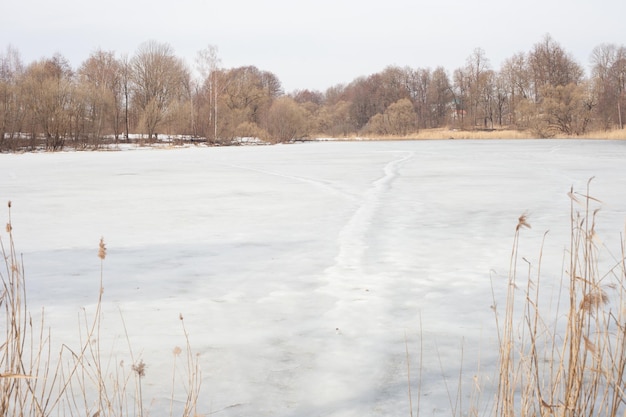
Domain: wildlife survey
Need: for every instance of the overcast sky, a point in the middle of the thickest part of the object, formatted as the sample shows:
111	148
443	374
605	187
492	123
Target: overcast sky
312	44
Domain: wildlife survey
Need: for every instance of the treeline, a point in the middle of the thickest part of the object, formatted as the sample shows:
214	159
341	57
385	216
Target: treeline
48	104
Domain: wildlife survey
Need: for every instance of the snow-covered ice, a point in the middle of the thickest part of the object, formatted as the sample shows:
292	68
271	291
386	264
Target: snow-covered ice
303	271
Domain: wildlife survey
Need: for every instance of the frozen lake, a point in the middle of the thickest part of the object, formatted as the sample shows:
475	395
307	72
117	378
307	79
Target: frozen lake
302	270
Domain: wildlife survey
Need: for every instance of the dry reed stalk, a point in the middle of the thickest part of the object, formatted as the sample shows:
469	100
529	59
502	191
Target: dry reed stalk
19	380
194	379
472	134
77	381
408	375
576	368
31	385
138	372
420	368
176	352
614	134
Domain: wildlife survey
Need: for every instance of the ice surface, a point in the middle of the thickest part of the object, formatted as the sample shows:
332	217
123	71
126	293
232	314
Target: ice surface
302	271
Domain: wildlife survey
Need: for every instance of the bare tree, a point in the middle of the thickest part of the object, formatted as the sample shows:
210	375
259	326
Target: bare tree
366	97
609	76
515	80
373	94
334	119
286	120
440	97
402	118
551	65
247	96
461	80
312	102
11	69
208	63
47	88
398	119
500	99
182	118
158	78
308	96
478	85
419	83
558	101
101	79
565	109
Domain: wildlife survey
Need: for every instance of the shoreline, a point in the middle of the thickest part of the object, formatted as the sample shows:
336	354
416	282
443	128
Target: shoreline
496	134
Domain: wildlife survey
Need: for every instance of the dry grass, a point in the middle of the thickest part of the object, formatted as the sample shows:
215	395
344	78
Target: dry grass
78	380
616	134
573	363
471	134
447	134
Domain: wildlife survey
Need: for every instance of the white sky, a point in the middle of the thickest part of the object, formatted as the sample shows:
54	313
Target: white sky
312	44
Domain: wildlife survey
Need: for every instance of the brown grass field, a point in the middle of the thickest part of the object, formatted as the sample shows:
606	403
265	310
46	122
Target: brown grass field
444	133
